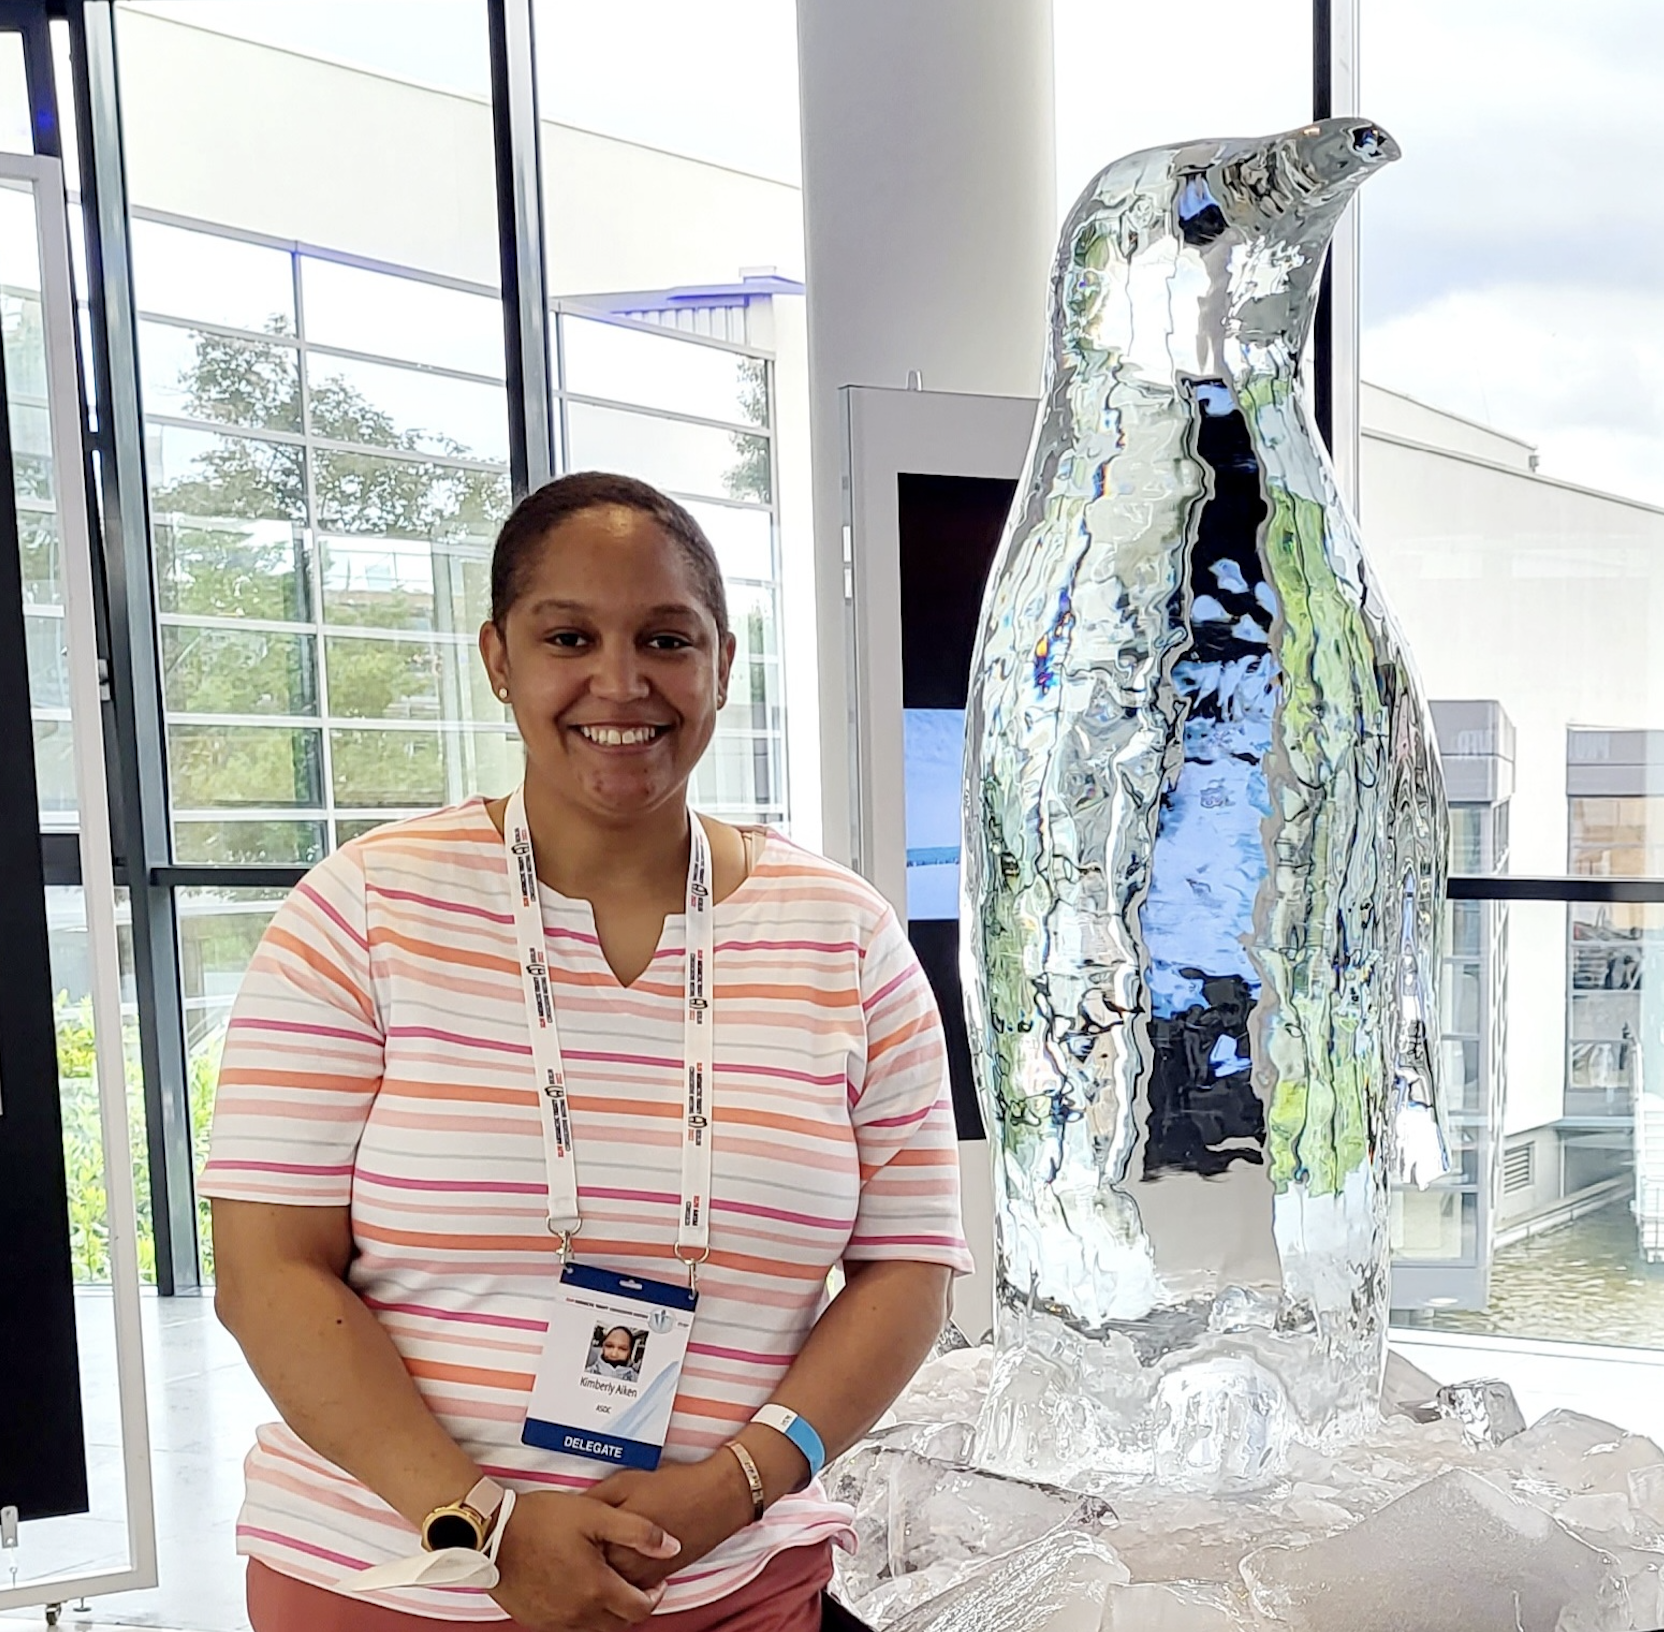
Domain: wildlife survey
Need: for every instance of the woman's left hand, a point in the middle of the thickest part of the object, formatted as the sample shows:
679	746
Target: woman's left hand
702	1504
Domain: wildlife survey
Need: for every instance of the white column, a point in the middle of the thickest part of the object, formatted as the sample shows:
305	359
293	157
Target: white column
930	207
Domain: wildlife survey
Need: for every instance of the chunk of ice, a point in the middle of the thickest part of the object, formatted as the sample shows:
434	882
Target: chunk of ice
1485	1407
1406	1390
1582	1455
1173	1606
912	1513
1453	1555
1057	1585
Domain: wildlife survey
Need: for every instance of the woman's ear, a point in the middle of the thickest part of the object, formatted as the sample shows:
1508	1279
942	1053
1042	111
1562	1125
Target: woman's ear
725	664
494	654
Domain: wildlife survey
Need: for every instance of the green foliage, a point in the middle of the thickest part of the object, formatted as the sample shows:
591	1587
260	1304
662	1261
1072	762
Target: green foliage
89	1228
749	476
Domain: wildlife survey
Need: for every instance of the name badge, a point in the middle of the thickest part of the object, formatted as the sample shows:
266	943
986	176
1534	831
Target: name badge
612	1360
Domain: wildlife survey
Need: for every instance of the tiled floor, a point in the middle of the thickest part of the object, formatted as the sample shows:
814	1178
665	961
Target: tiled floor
204	1405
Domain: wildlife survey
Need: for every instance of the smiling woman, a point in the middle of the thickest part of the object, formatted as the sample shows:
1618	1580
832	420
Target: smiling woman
708	1070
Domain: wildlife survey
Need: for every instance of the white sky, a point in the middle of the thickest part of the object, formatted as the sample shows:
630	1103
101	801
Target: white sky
1511	261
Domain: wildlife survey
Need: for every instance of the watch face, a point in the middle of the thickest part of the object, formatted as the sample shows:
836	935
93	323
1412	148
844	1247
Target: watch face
451	1530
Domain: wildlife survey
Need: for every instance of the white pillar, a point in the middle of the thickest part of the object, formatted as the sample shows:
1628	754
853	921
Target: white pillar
930	207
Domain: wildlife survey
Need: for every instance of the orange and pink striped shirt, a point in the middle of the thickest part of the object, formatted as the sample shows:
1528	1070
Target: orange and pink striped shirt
378	1059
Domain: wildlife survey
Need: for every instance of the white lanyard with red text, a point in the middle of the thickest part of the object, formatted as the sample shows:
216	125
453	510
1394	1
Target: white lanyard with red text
565	1217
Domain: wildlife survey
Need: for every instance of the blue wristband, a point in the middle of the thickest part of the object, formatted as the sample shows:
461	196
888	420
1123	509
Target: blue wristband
799	1432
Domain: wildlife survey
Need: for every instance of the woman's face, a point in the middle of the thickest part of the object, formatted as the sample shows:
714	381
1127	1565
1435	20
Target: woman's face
615	1348
613	664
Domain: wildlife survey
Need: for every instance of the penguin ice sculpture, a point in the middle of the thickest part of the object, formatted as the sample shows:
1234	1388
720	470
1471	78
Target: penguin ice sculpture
1204	854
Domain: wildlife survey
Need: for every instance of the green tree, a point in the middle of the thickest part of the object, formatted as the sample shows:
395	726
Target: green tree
750	477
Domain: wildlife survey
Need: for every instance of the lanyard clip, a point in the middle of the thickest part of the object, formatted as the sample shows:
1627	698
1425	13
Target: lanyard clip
563	1238
692	1266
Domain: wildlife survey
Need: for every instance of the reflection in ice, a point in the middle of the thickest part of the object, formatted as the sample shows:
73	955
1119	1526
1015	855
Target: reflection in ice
1203	850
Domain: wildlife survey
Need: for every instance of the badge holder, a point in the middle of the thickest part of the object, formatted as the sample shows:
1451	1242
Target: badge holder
611	1364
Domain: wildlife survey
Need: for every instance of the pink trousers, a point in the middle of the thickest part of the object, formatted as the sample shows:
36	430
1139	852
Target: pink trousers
784	1598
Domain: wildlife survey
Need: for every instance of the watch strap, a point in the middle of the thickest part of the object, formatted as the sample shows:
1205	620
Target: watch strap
478	1509
485	1499
799	1431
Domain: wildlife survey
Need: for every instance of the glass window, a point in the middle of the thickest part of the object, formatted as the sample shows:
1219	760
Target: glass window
717	84
372	678
237	672
742	538
1512	505
209	277
190	374
337	299
389	584
199	843
406	498
669	453
360	310
15	135
400	770
403	408
227	767
23	339
661	371
1158	48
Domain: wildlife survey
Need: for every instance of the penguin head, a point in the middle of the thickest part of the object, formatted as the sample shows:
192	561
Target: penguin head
1232	232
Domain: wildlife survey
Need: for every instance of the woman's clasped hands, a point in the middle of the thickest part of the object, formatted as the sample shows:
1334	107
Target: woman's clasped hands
572	1563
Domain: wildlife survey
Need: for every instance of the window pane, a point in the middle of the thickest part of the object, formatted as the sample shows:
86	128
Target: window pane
360	310
675	80
218	932
191	375
661	371
407	498
383	405
218	767
1163	41
237	672
683	458
201	473
417	770
743	539
15	135
230	569
201	844
48	661
55	771
375	679
392	584
209	277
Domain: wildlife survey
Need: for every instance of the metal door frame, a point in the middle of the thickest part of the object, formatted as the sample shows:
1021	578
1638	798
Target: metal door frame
44	177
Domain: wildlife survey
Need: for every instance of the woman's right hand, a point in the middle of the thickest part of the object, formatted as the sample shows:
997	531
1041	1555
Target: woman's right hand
553	1567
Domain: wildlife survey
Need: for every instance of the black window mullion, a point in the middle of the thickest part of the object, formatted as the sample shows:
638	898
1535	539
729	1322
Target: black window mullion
139	759
520	228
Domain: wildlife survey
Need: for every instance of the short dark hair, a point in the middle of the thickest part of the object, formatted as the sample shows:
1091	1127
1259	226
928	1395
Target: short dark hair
540	513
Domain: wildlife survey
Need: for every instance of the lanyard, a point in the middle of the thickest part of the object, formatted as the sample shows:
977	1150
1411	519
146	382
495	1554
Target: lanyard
693	1230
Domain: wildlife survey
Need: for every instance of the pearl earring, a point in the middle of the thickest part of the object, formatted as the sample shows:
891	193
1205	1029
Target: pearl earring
502	691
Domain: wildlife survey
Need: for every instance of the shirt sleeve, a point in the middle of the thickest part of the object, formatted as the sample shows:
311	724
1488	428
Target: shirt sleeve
302	1060
903	1116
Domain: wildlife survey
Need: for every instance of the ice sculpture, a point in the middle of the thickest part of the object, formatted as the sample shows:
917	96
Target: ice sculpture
1204	854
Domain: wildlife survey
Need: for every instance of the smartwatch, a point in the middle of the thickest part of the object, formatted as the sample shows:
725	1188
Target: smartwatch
465	1524
799	1432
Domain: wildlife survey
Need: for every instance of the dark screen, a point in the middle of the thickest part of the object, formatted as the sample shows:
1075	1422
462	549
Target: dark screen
950	528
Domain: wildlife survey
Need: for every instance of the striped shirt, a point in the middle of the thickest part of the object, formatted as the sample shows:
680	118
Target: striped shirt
378	1059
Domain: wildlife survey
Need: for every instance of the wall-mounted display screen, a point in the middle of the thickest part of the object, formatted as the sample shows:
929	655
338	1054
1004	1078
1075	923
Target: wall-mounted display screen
949	527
